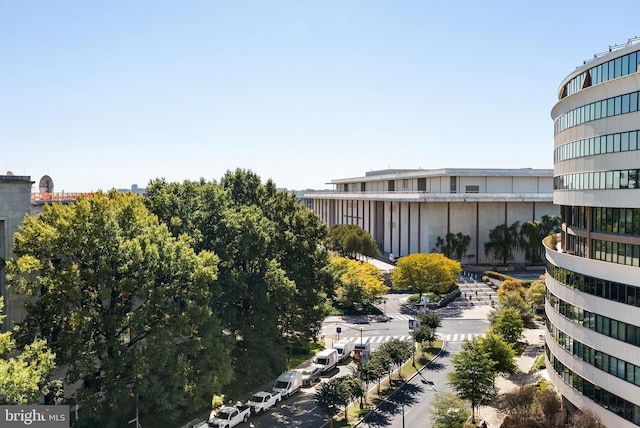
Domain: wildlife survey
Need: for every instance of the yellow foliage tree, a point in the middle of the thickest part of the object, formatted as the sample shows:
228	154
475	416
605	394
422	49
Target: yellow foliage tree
512	285
360	283
432	272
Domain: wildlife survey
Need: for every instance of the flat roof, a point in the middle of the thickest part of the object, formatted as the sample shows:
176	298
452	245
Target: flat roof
395	174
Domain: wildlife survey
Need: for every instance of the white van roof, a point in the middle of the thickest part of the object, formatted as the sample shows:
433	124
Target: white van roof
326	352
289	374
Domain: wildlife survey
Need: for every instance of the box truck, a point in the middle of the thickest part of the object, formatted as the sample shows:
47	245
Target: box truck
361	350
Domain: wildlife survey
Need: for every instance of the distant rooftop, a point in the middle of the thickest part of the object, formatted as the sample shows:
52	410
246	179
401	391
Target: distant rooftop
394	174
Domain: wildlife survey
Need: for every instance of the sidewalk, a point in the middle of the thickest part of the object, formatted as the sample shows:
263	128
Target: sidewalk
535	348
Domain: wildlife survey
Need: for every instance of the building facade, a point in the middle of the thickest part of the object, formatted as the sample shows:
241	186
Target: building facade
593	270
15	203
405	211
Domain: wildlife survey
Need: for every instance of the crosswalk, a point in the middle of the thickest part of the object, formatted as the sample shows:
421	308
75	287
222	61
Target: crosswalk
382	339
401	317
460	337
378	339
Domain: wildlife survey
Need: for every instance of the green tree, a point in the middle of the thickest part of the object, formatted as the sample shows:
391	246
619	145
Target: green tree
424	335
398	352
453	246
273	271
514	300
431	320
499	351
473	378
382	360
124	305
359	283
509	325
365	373
426	272
352	240
448	411
24	378
531	235
377	367
503	241
331	396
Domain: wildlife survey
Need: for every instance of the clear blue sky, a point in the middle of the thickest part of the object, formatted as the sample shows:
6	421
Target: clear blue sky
102	94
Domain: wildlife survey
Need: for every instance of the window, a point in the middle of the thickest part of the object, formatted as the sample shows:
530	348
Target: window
422	184
391	185
472	189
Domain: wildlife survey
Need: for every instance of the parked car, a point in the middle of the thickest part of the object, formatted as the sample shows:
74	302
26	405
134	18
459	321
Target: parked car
229	417
310	375
263	400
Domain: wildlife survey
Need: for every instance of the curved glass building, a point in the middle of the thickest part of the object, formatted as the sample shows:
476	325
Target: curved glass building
593	265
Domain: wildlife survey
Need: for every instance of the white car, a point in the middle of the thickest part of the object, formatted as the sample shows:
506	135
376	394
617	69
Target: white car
263	401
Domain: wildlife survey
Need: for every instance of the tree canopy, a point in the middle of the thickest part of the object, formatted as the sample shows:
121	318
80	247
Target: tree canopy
454	246
511	285
474	374
24	378
426	272
499	351
123	304
273	272
358	283
448	411
352	240
509	325
536	294
531	235
503	241
331	396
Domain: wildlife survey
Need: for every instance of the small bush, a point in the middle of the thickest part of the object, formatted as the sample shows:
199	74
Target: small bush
539	364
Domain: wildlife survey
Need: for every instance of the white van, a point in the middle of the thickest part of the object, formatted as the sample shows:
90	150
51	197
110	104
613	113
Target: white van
344	348
327	359
288	383
361	350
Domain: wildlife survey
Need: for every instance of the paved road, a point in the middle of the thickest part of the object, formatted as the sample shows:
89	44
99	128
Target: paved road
300	410
409	406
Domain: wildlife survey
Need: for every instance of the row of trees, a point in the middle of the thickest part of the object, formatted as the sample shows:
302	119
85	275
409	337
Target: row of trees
338	393
350	240
504	239
201	288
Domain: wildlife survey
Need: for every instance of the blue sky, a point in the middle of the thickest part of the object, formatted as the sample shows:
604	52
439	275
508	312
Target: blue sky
102	94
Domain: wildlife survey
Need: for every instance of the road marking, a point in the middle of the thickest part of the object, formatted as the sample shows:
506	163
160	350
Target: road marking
461	337
377	339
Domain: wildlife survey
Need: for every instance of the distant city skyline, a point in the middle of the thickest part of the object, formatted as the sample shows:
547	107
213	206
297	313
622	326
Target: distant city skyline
102	95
